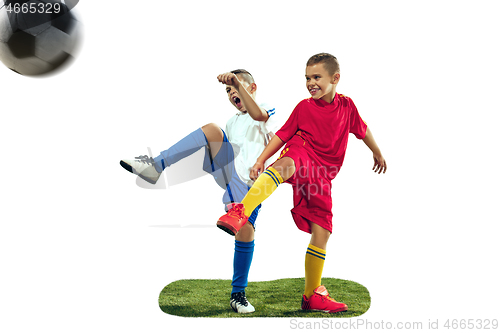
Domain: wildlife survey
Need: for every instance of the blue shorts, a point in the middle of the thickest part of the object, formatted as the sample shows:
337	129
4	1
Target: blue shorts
224	173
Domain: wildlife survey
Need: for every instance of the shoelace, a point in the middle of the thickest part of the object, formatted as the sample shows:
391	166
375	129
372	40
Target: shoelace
327	297
235	211
145	159
241	298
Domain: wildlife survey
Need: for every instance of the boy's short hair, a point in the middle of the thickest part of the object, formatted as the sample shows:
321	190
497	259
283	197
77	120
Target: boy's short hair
244	74
329	61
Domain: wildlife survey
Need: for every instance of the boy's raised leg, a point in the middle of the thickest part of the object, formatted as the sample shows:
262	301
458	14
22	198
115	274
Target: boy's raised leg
150	169
187	146
214	137
263	187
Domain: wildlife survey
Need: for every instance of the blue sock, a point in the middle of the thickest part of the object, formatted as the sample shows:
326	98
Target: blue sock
243	254
185	147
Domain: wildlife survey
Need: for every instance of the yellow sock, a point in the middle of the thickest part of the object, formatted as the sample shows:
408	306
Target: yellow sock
315	260
263	187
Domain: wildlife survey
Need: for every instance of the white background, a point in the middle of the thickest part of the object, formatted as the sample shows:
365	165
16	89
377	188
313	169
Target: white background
85	249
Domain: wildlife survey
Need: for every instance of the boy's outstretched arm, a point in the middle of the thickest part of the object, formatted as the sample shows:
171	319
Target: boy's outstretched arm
253	109
272	147
380	164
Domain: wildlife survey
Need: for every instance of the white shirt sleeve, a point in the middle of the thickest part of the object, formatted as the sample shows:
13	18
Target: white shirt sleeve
269	127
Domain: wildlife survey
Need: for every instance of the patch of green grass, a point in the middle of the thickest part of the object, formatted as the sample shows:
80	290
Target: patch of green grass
278	298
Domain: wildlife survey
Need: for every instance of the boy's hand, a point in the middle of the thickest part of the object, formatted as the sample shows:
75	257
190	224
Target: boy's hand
380	164
229	79
256	170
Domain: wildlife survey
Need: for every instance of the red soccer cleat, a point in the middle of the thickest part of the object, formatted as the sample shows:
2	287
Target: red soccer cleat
233	220
320	301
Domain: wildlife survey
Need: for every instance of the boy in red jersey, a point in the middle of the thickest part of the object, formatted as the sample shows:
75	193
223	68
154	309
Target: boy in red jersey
316	136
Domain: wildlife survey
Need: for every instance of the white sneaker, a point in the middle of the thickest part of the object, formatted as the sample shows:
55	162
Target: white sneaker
143	166
240	304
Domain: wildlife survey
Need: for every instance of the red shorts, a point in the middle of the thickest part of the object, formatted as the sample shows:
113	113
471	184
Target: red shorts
312	184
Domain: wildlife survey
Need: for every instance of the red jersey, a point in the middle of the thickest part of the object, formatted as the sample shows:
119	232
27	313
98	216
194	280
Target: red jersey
323	128
316	136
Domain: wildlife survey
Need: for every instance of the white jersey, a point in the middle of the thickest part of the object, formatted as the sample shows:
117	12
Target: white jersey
249	138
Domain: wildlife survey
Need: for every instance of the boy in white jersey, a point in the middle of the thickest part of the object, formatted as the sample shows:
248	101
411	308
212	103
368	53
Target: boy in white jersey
229	156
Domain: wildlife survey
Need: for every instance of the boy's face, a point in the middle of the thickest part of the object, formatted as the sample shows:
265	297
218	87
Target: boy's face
320	83
233	96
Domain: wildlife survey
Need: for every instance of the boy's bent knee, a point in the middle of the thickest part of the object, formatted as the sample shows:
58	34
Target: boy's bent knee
212	132
285	167
210	126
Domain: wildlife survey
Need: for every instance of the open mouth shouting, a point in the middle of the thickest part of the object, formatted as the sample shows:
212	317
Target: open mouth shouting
237	102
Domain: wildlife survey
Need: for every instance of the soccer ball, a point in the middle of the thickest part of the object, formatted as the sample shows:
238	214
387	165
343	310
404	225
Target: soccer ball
38	36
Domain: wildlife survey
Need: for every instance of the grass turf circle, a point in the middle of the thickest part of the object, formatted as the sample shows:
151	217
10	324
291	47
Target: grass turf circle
277	298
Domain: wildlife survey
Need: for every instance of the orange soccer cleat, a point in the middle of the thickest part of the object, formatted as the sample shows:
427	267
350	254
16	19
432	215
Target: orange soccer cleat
321	301
233	220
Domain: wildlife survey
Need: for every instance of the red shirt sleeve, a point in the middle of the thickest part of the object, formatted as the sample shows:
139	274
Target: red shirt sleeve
291	126
357	124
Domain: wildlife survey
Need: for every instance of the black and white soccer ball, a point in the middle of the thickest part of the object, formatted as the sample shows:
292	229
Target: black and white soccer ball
38	36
